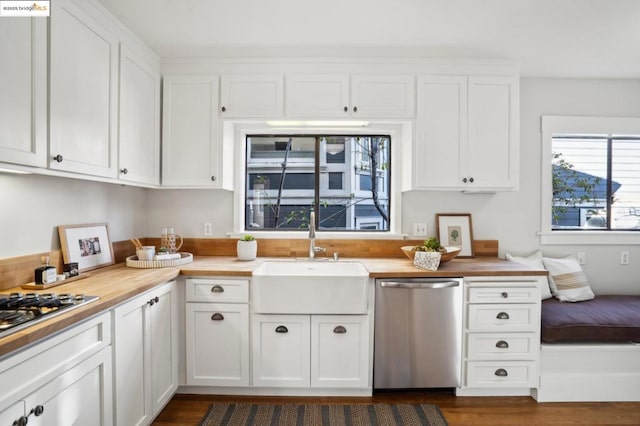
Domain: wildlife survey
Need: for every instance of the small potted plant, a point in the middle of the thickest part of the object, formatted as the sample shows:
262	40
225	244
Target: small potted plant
247	248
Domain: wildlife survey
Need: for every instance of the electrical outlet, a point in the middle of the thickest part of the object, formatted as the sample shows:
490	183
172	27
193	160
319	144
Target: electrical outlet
624	258
208	229
420	229
582	258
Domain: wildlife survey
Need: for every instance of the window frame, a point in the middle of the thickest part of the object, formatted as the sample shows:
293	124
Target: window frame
554	125
400	132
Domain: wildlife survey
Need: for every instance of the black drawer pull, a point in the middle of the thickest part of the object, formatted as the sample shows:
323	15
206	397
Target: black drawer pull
282	329
505	295
501	372
502	316
217	317
340	329
217	289
502	344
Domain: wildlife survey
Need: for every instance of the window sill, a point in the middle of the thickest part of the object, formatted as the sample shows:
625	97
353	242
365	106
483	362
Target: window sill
589	238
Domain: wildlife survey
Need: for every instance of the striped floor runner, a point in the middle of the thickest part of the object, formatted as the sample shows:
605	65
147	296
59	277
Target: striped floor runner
247	414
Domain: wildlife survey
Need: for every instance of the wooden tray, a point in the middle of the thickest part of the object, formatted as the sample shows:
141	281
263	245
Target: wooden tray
34	286
133	262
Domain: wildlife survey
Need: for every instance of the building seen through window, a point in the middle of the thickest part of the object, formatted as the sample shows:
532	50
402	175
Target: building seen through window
596	182
344	179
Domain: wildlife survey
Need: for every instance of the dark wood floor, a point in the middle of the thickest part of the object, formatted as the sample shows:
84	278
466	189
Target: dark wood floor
189	409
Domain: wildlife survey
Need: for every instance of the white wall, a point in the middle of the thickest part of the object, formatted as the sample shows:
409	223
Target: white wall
32	206
35	205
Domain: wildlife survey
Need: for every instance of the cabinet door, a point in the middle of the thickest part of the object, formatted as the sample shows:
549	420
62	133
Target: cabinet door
84	96
251	96
339	351
190	140
281	350
139	124
217	344
80	396
132	362
164	347
23	84
382	96
492	155
318	96
441	133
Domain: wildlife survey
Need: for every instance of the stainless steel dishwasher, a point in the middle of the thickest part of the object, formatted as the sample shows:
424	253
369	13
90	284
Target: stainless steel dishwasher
418	333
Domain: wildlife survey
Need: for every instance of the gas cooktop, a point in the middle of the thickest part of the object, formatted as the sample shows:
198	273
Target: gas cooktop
19	311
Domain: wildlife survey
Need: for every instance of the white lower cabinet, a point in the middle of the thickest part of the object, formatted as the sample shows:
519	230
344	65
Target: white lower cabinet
502	336
217	344
321	351
281	350
67	379
339	351
145	355
217	332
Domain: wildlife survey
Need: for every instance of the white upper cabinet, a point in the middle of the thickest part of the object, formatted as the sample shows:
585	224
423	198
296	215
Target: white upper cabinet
23	85
251	96
83	90
318	96
139	124
492	154
191	148
466	133
338	95
383	96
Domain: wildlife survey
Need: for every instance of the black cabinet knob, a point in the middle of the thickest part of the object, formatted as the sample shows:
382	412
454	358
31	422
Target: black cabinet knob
470	180
124	171
22	421
464	180
223	109
213	178
58	158
346	109
355	109
38	410
504	295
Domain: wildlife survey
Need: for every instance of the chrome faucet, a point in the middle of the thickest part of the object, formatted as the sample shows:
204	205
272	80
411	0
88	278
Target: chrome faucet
312	238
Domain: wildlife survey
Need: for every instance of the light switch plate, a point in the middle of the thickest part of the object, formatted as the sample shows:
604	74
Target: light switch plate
420	229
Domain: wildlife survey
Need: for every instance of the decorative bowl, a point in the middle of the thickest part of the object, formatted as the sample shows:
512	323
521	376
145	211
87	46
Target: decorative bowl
450	253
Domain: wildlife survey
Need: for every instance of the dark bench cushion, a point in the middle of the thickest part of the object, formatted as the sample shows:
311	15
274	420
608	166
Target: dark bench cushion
603	319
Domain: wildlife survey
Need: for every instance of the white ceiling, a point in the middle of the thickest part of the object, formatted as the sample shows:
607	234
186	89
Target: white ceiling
561	38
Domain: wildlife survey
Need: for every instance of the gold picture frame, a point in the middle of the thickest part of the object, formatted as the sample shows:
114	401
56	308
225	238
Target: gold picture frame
455	230
88	245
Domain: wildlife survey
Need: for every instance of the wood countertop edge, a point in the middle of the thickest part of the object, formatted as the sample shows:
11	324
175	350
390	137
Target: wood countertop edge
111	284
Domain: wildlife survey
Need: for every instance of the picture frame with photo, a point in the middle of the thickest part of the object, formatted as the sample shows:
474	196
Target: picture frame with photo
455	230
88	245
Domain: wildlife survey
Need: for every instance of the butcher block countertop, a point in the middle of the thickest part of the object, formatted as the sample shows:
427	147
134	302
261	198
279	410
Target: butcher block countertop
118	283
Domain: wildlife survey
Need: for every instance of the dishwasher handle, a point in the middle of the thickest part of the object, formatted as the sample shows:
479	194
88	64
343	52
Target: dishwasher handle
419	285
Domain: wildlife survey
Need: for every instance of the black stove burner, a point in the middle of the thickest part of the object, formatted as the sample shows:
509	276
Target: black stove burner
18	311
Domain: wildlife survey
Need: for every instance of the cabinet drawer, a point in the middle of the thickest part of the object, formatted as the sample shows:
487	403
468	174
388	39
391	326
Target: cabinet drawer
499	346
217	290
503	317
504	294
501	374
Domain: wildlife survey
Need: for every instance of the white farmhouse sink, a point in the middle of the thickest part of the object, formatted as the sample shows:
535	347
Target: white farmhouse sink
309	287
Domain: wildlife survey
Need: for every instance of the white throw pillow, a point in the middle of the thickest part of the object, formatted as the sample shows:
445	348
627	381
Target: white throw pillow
535	261
568	281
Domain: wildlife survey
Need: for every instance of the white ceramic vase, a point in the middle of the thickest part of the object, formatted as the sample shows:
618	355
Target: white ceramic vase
247	250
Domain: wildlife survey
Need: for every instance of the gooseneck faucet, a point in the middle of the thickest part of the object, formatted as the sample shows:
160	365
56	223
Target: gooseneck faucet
312	237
